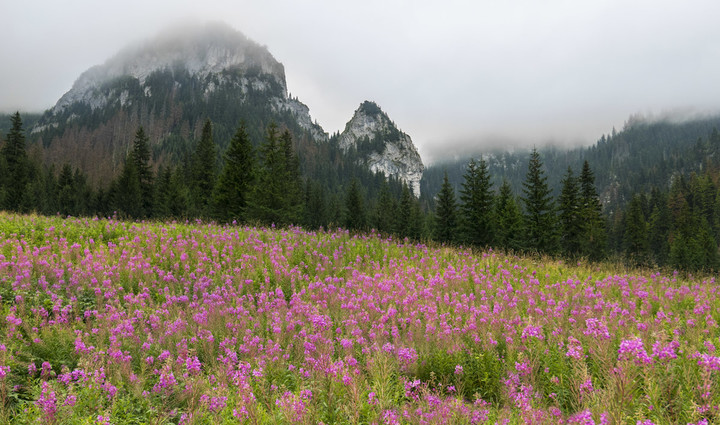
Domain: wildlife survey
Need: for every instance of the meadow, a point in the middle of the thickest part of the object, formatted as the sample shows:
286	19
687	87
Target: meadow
111	322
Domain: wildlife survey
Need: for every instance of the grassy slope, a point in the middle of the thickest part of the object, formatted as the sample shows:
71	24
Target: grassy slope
196	323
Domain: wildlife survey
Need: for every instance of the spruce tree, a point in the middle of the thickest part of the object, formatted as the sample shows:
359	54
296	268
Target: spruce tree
594	236
446	213
659	228
277	195
292	180
141	160
354	207
509	232
15	158
636	233
571	220
162	193
66	191
315	205
235	181
476	205
706	248
204	172
405	225
540	233
49	203
384	209
128	194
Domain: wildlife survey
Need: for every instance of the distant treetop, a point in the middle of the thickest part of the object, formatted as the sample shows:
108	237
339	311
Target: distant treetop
370	108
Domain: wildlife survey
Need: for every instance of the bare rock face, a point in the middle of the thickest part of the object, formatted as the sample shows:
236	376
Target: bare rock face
382	146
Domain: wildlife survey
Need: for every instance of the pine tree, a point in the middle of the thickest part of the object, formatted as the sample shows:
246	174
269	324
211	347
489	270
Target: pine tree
446	213
476	205
594	235
509	233
204	172
234	184
141	160
571	220
539	208
15	157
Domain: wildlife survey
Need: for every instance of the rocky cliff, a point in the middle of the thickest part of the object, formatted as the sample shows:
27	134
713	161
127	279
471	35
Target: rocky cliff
382	146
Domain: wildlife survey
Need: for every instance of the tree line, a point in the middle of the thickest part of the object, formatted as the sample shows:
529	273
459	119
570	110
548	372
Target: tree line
679	228
572	225
262	185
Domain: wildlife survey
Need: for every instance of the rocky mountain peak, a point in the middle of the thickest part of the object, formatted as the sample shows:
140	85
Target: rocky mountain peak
382	146
201	51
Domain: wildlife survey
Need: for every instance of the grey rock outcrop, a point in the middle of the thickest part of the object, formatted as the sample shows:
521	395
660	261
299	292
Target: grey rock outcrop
382	146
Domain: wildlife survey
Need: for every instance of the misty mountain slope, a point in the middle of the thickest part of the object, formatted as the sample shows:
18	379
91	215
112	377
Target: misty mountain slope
643	155
170	85
376	141
173	83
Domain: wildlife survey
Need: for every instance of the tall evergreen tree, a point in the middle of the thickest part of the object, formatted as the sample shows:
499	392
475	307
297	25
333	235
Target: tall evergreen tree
636	234
277	196
539	215
354	207
236	178
446	213
476	204
15	157
594	235
384	210
67	200
127	192
293	181
162	193
571	220
706	247
659	228
316	214
141	160
509	233
408	222
204	171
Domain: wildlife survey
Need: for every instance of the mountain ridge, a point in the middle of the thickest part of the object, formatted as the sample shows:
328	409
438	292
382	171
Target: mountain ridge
170	84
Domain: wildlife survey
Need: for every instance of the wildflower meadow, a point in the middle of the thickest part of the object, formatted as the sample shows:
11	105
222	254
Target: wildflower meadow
111	322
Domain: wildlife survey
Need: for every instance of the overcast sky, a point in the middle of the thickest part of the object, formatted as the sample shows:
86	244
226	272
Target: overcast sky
454	74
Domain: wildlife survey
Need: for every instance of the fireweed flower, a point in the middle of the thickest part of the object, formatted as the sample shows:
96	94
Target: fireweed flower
709	362
596	329
47	401
665	351
633	349
575	349
532	332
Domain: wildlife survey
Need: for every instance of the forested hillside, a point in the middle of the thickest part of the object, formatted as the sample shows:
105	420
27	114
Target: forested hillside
643	156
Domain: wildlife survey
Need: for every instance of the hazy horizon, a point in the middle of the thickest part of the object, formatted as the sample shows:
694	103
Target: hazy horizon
461	76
